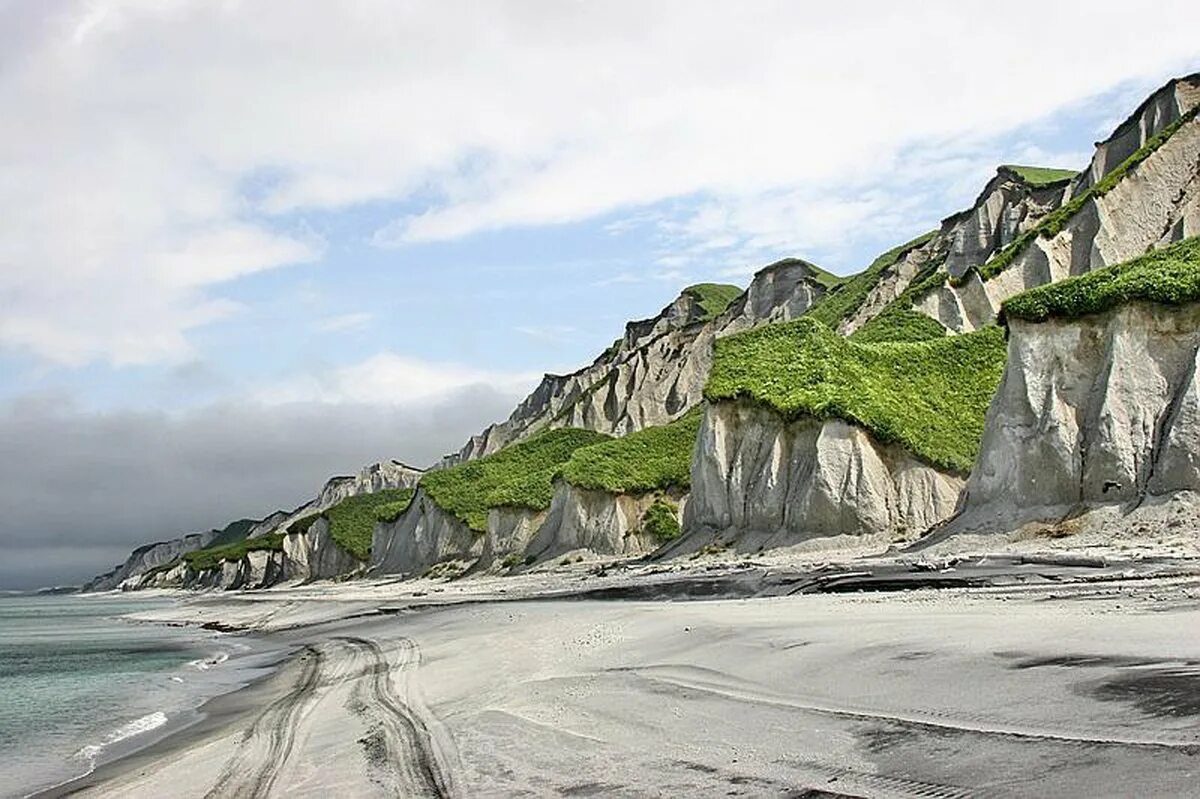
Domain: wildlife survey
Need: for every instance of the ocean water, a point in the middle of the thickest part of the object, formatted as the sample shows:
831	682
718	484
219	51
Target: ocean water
78	684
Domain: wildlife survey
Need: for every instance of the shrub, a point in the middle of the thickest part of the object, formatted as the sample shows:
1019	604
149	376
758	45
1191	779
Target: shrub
929	396
518	476
1170	276
661	520
651	459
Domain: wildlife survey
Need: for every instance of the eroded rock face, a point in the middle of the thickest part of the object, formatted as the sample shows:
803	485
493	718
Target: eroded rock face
151	556
760	481
314	555
656	371
1156	204
1101	410
423	536
597	521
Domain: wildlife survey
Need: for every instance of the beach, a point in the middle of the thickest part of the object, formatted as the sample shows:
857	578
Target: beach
495	687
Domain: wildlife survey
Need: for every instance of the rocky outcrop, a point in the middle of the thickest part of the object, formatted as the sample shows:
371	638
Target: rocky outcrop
656	371
1155	204
151	556
597	521
314	555
423	536
370	479
1098	411
760	481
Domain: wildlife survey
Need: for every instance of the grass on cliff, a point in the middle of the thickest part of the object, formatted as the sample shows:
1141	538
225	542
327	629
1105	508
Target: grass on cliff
651	459
352	521
930	397
211	558
518	476
1039	177
1170	276
713	298
1052	223
845	300
661	520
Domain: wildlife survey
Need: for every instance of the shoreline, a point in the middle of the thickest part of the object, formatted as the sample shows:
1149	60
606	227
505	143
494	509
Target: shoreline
351	631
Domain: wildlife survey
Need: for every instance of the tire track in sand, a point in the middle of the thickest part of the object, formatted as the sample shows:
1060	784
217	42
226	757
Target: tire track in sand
267	743
421	764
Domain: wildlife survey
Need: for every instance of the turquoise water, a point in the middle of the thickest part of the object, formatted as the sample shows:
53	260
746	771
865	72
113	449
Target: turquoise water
75	681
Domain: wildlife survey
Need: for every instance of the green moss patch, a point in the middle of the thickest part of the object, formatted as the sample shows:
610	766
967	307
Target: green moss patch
352	521
652	459
845	300
1052	223
661	520
390	511
1170	276
713	298
519	476
929	397
1039	177
212	557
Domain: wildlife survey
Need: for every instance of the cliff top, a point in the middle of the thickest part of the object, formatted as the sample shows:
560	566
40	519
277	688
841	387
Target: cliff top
713	298
1170	276
519	476
929	397
650	459
1039	176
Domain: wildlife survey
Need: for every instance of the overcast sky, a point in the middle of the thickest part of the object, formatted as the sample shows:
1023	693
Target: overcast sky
246	245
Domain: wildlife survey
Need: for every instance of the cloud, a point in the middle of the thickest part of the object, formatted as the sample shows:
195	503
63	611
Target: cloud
155	151
343	322
391	377
81	489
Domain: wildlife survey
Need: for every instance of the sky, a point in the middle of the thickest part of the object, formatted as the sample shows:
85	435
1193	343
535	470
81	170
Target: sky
248	244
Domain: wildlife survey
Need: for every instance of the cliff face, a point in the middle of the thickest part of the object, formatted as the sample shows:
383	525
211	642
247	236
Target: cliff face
1156	203
423	536
759	481
596	521
151	556
656	371
1101	410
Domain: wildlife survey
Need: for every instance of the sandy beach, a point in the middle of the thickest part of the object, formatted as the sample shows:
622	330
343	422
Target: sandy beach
527	687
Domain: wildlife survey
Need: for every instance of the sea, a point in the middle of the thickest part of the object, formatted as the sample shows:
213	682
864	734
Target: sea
80	686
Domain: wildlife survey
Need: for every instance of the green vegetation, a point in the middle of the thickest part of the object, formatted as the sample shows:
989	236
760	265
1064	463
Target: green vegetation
899	324
713	298
1052	223
845	300
1170	276
352	521
652	459
930	396
519	476
211	558
390	511
661	520
1039	177
302	524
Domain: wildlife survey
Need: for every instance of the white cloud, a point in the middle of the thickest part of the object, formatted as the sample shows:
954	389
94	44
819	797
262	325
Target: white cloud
153	150
343	322
390	378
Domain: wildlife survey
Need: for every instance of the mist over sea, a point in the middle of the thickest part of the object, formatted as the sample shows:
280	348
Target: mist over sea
78	684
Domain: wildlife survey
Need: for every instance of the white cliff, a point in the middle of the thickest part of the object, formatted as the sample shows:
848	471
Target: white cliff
760	481
1098	411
